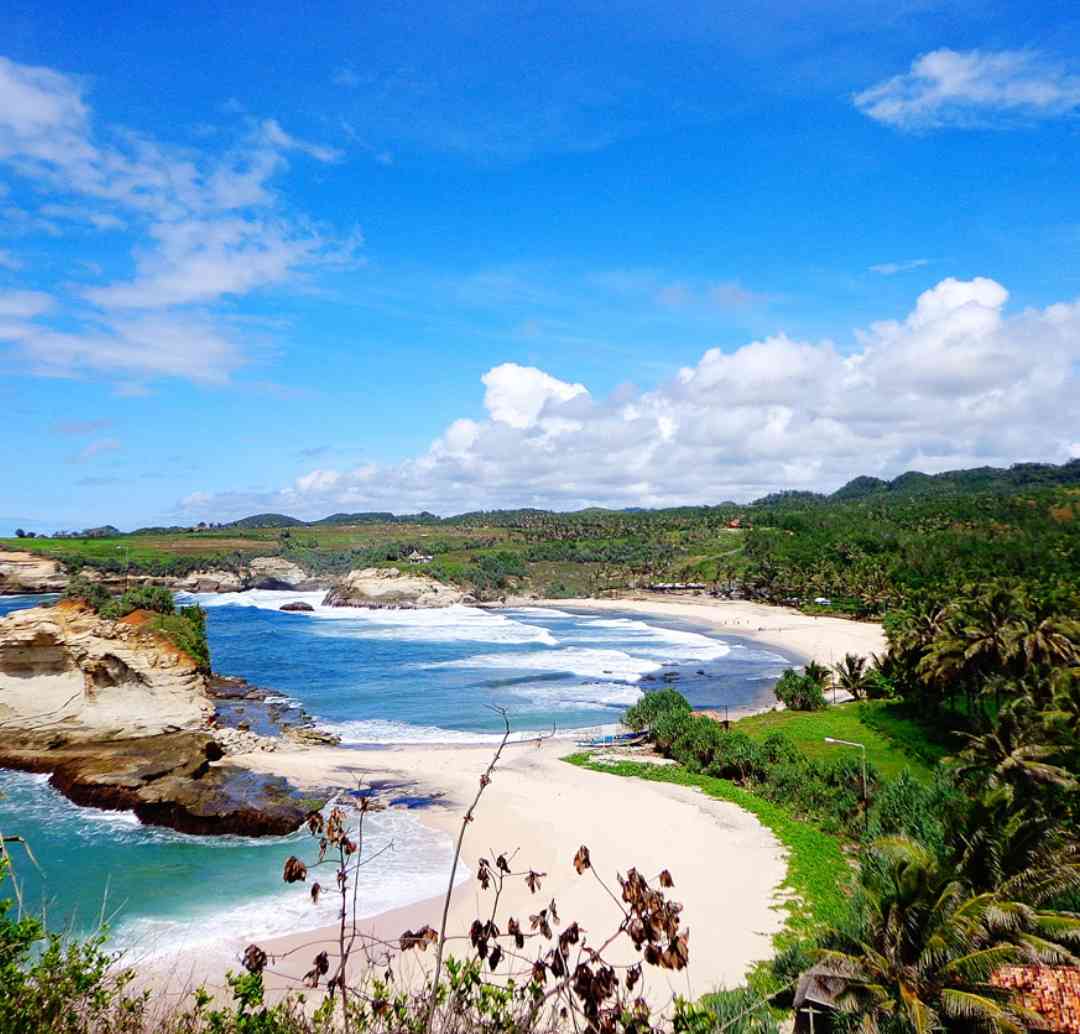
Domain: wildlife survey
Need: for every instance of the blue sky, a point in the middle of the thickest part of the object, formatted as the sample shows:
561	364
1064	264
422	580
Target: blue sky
475	255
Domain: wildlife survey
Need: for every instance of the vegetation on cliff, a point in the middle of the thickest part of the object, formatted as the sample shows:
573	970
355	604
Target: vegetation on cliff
184	628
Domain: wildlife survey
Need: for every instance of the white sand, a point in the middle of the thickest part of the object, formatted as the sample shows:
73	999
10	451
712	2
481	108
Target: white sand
726	865
823	639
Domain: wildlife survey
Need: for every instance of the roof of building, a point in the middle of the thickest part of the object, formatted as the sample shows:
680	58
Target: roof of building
1051	991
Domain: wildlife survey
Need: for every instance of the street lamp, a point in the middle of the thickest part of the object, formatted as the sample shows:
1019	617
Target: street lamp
127	562
865	796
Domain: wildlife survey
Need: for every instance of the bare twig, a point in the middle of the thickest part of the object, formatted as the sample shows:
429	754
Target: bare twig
485	780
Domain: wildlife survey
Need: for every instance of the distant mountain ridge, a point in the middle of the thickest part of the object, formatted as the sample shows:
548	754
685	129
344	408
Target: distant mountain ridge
911	484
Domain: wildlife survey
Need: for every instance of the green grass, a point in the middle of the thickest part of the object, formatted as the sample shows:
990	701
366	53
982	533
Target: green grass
814	892
893	741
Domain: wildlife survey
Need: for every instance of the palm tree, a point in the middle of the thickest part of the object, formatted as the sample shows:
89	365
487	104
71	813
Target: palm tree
1014	756
851	674
818	673
925	946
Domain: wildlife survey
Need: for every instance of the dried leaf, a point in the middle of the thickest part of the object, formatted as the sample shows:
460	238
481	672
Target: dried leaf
496	958
532	880
254	959
295	870
666	880
581	860
539	972
502	864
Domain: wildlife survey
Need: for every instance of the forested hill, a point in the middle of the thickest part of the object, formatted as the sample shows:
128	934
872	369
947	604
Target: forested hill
909	485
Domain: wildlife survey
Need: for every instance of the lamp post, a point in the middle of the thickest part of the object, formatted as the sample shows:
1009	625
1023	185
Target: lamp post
124	551
865	796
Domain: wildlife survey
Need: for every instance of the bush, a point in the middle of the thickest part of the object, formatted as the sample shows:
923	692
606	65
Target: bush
643	715
668	727
144	597
799	692
82	588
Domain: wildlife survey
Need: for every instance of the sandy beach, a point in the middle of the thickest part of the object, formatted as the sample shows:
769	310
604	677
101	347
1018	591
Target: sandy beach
726	865
823	639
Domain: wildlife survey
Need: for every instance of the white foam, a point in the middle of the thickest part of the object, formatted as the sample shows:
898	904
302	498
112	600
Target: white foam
377	730
540	612
404	862
574	696
575	660
437	624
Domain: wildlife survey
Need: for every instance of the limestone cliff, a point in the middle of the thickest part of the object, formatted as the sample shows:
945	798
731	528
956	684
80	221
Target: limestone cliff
121	718
28	573
25	572
66	669
390	589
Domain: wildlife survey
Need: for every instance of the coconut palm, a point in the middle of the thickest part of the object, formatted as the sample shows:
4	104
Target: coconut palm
851	674
1014	756
925	947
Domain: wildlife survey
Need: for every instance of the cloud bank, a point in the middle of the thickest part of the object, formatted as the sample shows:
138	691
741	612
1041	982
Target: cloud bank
957	382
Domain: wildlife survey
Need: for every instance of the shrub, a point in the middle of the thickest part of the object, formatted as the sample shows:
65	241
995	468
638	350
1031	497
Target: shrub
799	692
668	727
82	588
643	715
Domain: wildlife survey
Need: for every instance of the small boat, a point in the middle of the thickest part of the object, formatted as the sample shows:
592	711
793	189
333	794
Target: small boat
620	739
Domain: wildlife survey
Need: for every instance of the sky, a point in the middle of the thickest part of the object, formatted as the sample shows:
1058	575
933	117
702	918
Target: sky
454	257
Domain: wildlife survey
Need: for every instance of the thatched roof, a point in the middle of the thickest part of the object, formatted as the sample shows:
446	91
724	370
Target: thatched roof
1051	991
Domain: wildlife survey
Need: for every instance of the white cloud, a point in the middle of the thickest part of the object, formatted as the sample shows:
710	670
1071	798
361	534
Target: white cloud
205	225
9	261
957	382
96	448
516	395
150	345
892	268
24	305
972	88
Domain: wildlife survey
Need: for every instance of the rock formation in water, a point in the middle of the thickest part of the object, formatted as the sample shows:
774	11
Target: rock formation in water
299	605
120	717
387	588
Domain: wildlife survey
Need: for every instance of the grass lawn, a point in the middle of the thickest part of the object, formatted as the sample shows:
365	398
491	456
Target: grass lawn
893	741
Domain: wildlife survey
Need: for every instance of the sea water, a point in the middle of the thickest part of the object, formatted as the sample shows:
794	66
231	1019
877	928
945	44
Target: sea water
371	677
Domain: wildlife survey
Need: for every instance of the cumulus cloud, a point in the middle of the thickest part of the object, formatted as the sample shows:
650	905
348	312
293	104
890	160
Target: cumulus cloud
205	225
958	381
516	395
972	88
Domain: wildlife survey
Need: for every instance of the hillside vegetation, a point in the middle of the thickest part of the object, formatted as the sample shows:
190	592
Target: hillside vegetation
865	548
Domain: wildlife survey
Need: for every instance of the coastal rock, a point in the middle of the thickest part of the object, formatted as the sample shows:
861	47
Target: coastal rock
22	573
299	605
166	780
210	581
65	669
390	589
275	572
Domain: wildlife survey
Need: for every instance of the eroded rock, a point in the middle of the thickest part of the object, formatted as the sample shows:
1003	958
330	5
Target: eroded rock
391	589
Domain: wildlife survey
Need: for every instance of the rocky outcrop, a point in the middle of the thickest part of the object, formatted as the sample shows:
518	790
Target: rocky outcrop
166	780
299	606
209	581
22	573
120	716
388	588
65	669
27	572
275	572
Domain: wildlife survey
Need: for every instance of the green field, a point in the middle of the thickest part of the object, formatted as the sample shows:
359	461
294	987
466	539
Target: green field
893	741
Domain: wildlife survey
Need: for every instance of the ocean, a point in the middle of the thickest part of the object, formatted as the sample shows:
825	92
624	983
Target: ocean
371	677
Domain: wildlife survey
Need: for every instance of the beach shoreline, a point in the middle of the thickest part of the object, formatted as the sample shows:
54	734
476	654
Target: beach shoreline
544	809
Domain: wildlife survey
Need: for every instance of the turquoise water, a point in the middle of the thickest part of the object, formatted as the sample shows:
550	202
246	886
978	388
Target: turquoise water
383	676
